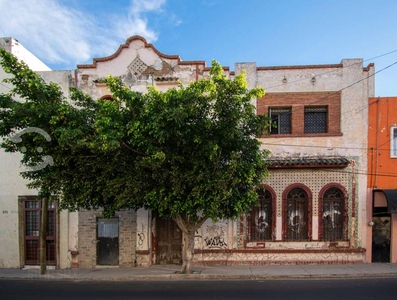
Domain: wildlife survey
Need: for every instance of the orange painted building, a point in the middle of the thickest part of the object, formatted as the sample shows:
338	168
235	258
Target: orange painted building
382	180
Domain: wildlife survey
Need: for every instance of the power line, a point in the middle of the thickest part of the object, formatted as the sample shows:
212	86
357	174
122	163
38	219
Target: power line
328	147
328	72
7	87
358	172
2	31
370	75
346	87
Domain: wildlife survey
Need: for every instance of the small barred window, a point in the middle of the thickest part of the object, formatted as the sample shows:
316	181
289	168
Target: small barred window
316	119
281	120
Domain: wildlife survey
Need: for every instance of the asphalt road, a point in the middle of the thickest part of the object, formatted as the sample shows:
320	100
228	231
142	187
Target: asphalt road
321	289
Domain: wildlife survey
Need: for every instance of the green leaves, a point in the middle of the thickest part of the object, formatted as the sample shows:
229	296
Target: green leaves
189	151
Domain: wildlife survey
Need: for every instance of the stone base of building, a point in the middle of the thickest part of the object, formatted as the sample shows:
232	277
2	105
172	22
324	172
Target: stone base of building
278	257
142	259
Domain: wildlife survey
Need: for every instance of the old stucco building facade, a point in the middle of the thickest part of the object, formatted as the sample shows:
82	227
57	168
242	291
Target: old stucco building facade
312	208
382	183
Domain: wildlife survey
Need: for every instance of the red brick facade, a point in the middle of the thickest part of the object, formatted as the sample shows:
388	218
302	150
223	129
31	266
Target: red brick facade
297	102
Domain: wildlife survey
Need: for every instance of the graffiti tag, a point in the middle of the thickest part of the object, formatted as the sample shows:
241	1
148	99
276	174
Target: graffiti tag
215	242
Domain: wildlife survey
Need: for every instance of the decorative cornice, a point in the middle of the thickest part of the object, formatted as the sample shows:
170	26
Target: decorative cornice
302	162
126	45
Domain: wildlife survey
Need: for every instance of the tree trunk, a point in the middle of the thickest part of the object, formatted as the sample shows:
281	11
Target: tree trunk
43	235
187	251
188	231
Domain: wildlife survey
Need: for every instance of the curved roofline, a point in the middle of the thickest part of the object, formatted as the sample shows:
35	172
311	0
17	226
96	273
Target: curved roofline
95	61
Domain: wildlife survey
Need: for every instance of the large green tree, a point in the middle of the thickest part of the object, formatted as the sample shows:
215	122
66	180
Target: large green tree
189	153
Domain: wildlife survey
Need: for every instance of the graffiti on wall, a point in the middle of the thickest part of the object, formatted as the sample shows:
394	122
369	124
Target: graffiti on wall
215	242
216	236
141	234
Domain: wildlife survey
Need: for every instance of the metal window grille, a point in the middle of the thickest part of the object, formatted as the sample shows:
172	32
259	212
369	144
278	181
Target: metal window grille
51	223
260	218
32	251
50	251
316	119
281	120
297	217
333	215
32	223
32	220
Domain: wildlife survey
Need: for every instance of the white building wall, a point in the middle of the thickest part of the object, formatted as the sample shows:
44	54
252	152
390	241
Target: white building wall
12	185
12	45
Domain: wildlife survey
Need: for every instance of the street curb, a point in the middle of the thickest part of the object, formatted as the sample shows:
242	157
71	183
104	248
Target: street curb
198	277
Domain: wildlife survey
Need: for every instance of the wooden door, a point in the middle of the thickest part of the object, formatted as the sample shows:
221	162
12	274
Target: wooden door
108	241
169	242
32	207
381	239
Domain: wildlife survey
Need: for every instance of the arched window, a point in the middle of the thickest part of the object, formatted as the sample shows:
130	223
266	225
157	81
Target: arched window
107	97
333	215
296	215
260	220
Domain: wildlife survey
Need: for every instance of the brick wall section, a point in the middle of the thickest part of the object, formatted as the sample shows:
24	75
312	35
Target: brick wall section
127	238
87	239
87	256
297	102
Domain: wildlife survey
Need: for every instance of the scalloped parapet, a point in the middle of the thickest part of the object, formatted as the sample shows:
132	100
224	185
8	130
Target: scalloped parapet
139	64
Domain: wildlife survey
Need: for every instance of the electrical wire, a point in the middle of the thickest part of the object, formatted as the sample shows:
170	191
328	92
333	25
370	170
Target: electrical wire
332	71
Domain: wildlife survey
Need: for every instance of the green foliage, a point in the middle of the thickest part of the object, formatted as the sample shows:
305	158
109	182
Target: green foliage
190	151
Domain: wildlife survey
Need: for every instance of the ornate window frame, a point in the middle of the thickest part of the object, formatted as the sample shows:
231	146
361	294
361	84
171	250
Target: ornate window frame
272	216
293	217
344	212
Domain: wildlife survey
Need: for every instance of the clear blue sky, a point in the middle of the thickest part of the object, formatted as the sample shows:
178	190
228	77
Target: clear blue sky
64	33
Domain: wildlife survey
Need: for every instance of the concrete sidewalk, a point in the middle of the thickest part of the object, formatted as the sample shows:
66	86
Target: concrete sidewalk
170	272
